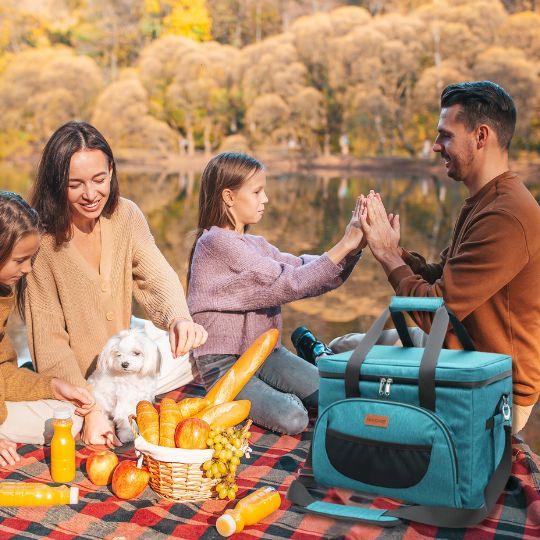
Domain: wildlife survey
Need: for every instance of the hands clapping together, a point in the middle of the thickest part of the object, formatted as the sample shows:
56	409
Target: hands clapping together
371	225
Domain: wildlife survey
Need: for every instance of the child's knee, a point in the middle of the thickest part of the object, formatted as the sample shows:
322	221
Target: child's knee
295	422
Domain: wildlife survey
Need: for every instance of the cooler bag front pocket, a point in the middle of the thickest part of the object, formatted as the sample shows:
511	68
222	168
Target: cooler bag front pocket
388	448
378	463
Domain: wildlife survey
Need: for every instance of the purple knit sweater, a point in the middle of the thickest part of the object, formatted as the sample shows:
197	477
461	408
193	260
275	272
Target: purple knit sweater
239	282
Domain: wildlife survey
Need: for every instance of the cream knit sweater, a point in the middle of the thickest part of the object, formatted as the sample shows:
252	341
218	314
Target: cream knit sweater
71	310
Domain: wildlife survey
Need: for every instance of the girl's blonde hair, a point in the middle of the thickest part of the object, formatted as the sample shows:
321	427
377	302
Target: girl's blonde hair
17	220
228	170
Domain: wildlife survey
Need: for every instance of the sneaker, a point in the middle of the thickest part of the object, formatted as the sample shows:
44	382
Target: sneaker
307	346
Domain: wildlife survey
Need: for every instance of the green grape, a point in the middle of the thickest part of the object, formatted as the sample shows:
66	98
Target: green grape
222	493
215	470
229	455
230	431
208	473
209	443
212	434
230	478
237	443
222	468
218	446
221	486
234	487
228	446
232	467
207	465
231	494
247	435
235	460
239	452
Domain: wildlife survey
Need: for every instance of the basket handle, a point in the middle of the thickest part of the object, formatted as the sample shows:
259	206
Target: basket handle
133	425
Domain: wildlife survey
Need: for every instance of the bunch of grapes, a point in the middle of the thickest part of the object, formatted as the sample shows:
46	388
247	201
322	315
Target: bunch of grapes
229	446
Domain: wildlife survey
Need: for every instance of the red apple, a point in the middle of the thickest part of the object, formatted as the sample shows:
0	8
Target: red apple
129	481
192	433
100	466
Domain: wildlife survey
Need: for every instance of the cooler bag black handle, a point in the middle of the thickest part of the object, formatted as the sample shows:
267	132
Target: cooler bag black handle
400	304
434	344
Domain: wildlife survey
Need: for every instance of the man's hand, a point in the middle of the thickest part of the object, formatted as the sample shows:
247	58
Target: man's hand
97	429
80	397
8	453
382	232
185	335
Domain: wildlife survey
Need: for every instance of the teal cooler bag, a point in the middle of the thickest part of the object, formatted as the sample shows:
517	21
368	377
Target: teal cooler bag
429	426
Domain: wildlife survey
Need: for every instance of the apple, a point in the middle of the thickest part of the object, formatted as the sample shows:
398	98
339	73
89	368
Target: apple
100	466
128	480
192	433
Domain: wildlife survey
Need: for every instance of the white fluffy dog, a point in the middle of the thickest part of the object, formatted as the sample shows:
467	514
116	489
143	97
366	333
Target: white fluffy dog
126	373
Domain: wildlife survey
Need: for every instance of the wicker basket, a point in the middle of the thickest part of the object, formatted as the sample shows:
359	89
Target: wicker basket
175	473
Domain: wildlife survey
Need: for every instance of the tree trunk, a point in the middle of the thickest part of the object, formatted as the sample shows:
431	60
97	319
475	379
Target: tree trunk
380	133
206	137
191	141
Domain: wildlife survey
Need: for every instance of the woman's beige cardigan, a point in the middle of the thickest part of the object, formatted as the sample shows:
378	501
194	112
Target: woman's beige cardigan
71	310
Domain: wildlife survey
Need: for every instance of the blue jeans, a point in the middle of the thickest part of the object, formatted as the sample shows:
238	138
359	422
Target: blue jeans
281	391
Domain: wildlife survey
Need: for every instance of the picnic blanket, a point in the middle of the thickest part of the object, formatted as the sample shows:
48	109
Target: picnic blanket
274	462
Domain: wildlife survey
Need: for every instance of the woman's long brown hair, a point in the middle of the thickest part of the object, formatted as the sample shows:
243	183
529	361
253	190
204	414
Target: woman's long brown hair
49	195
17	220
228	170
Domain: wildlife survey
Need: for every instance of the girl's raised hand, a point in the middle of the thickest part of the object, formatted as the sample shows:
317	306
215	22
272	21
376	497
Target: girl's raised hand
8	453
185	335
354	235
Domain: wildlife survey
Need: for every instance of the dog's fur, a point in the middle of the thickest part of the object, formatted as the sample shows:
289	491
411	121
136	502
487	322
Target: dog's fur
126	373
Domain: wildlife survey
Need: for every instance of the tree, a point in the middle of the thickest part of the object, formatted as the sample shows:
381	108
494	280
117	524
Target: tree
122	114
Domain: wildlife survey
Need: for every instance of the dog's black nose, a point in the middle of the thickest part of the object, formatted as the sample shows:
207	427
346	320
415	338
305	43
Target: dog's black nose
125	365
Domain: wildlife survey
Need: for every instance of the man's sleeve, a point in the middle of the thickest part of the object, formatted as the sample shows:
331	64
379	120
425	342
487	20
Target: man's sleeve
491	253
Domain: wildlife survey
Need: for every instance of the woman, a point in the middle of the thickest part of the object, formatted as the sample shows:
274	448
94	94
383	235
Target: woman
96	255
27	399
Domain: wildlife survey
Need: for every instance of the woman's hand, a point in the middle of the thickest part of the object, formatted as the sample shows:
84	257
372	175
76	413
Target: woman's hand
97	429
185	335
78	396
8	453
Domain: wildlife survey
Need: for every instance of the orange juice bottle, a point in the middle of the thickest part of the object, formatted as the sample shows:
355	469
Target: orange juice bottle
34	494
62	447
249	510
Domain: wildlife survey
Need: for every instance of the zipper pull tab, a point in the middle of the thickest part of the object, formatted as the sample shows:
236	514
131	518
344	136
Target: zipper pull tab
381	386
506	411
389	382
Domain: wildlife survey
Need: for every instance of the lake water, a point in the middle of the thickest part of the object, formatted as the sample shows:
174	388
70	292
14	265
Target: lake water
308	214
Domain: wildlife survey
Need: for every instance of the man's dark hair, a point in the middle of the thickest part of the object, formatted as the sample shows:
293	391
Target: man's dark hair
483	102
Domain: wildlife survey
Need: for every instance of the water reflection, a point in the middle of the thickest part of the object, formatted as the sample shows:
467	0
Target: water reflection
307	214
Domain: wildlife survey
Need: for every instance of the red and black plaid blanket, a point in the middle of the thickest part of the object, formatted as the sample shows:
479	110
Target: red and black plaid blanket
274	461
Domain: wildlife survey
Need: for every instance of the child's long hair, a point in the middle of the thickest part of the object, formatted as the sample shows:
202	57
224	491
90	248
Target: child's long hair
225	171
17	220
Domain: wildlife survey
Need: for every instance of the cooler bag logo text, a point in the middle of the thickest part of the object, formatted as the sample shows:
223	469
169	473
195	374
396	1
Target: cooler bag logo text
376	420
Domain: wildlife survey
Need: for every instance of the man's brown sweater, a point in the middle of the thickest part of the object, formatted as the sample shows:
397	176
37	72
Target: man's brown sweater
16	384
489	277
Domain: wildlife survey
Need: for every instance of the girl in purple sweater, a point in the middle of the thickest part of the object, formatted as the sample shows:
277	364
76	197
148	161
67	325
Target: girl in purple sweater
238	282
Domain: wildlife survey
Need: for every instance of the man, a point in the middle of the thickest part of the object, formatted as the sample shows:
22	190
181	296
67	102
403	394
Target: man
489	276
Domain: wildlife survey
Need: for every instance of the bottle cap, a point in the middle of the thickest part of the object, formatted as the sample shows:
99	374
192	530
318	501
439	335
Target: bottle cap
225	525
73	495
62	413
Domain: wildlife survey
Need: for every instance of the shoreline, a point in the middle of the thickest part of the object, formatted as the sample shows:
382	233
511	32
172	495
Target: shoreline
277	163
